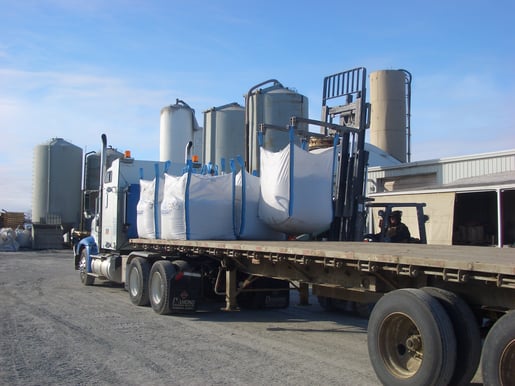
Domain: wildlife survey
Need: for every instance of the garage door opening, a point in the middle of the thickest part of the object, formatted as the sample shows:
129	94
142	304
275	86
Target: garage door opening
475	219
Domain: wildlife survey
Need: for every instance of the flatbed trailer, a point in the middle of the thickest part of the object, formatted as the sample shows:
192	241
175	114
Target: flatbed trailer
433	304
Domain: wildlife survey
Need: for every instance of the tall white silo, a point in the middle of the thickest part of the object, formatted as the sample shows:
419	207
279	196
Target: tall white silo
178	126
56	196
274	105
388	118
224	134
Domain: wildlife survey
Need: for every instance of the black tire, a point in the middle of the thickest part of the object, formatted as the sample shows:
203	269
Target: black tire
137	277
84	277
411	340
363	310
498	358
160	285
326	303
466	330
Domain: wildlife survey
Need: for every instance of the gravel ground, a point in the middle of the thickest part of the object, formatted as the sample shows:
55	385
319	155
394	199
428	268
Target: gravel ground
56	331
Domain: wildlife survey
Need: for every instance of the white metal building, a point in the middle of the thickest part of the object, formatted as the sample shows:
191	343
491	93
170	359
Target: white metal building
470	199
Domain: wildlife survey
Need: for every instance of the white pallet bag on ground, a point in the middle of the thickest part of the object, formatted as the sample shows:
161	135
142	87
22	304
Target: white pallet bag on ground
8	241
296	189
197	207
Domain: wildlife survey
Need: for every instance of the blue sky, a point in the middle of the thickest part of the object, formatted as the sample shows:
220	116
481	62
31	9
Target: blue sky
76	69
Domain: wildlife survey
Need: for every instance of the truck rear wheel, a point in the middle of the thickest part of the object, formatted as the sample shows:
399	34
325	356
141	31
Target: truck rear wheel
411	339
498	358
139	271
84	277
160	285
466	330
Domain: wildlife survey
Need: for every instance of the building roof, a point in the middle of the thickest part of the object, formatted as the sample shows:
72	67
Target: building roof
496	179
378	157
485	171
444	160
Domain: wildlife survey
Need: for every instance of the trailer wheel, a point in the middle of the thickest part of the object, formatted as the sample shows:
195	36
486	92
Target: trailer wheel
498	358
326	303
84	277
138	275
160	285
466	330
411	340
363	310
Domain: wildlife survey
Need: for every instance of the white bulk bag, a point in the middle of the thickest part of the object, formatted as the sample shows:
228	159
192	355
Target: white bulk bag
197	207
247	223
147	210
296	189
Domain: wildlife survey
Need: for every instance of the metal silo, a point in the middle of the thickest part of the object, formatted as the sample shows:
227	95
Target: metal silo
274	105
389	120
224	133
56	196
178	126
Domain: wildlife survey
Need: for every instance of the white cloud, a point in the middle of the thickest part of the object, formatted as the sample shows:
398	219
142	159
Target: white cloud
38	106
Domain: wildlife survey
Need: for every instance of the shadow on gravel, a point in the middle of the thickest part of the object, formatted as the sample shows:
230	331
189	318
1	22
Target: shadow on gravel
299	315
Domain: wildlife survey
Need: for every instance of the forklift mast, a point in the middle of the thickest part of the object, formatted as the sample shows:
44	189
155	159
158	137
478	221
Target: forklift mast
348	90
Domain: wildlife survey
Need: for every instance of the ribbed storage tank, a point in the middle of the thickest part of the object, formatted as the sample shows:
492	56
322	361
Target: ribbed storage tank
57	182
177	127
224	133
388	112
274	105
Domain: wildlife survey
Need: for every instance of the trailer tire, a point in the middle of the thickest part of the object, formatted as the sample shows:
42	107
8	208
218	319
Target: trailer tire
411	340
498	358
466	330
160	285
363	310
84	277
138	275
326	303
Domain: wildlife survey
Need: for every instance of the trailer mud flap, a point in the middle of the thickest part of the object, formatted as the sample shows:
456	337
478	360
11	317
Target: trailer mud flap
265	293
185	292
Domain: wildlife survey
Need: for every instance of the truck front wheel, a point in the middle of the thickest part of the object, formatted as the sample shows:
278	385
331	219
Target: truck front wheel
498	358
83	272
139	271
160	285
411	340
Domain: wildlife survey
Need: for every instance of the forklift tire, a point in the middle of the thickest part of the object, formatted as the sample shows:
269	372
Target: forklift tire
84	277
411	340
498	358
138	275
466	330
160	285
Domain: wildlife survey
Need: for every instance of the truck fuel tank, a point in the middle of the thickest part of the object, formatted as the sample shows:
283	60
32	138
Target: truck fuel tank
108	266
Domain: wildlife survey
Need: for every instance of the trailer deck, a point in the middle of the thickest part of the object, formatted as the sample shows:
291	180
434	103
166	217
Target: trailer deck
451	263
